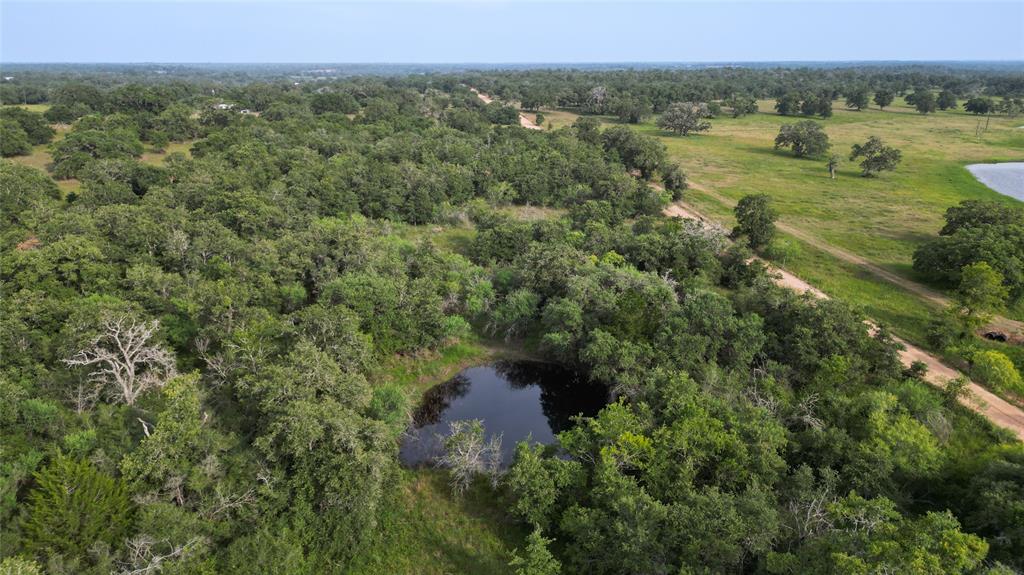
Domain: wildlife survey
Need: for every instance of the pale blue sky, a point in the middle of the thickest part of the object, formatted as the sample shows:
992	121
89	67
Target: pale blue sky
508	31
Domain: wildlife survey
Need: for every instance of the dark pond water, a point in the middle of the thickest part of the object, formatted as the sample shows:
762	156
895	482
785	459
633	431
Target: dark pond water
514	399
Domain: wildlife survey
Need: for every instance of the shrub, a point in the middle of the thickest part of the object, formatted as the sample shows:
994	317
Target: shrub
13	140
996	370
73	506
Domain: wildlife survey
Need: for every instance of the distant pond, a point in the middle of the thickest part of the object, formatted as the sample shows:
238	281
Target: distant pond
1007	178
516	399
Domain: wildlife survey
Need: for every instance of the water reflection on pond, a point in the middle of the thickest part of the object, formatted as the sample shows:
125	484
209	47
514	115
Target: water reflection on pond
514	399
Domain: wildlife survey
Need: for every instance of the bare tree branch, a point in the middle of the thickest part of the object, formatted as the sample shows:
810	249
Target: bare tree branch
122	357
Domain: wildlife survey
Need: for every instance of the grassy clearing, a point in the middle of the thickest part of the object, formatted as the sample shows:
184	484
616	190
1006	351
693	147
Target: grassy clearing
37	108
427	531
157	158
882	219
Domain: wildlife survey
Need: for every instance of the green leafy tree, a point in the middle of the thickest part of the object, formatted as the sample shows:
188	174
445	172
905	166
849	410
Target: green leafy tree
536	483
588	129
513	315
13	140
806	138
883	98
535	559
978	105
674	179
819	104
72	507
80	147
19	566
870	536
177	123
788	104
685	117
177	448
631	109
980	213
857	98
330	101
65	113
946	100
995	503
755	220
34	125
997	371
741	105
923	101
980	294
876	156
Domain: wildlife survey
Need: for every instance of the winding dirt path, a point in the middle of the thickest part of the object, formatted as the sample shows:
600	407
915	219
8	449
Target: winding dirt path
523	120
999	323
994	408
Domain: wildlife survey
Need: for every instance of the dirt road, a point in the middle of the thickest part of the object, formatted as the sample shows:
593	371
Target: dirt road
997	410
523	120
998	323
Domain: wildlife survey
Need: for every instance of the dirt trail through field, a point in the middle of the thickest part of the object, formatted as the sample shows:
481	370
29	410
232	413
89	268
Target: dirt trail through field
997	410
523	120
1006	325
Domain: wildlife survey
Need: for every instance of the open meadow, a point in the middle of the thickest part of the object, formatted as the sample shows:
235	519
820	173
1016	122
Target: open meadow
880	219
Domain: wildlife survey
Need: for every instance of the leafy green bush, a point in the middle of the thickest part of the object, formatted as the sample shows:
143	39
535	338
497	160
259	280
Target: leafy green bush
996	370
73	506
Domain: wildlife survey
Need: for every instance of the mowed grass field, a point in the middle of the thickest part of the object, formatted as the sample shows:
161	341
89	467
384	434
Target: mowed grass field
881	219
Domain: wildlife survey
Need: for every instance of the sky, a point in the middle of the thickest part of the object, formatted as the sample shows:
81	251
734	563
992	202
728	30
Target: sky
494	31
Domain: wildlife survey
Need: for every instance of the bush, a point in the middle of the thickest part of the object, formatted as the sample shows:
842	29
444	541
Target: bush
36	128
755	219
13	140
73	506
996	370
19	566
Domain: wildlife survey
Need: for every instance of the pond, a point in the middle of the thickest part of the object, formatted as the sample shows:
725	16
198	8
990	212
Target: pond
514	399
1007	178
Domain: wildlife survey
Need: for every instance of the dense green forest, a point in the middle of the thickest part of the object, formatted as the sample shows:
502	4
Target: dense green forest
191	351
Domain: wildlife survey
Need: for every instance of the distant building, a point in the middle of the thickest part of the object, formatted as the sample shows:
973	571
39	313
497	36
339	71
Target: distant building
223	106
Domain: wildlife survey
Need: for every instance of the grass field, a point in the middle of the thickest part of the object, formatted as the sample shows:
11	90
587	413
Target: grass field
882	219
37	108
426	530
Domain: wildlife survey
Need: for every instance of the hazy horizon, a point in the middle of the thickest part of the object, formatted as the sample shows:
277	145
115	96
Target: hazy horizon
508	32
